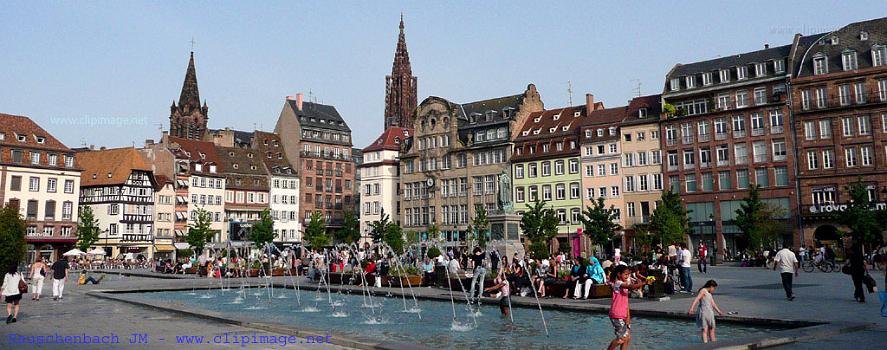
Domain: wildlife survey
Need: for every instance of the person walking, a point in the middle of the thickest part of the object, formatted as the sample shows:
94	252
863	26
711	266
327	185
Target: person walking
12	292
478	258
685	262
788	265
705	318
857	271
701	256
38	275
59	277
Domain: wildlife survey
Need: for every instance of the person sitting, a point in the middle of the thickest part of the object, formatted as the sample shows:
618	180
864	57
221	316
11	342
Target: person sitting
86	279
428	269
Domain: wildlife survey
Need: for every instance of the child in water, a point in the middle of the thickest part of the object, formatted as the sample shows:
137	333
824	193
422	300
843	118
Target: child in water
705	318
620	315
501	285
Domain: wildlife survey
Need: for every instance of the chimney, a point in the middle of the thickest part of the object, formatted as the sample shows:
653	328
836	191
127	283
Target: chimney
589	103
149	142
766	46
299	101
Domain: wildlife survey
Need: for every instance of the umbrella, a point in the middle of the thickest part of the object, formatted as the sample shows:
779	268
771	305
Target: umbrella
74	252
96	251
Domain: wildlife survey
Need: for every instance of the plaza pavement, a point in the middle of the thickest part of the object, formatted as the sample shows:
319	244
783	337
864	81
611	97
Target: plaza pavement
753	293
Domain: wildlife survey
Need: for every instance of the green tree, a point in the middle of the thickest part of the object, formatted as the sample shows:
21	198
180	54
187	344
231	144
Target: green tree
539	225
315	233
12	237
480	225
262	232
350	231
600	222
379	227
757	220
199	233
434	233
394	237
860	216
87	229
670	220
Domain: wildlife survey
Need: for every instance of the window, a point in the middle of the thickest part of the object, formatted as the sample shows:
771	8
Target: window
741	179
779	150
780	175
809	130
35	158
67	210
741	72
614	168
805	99
848	60
882	90
534	193
630	207
559	167
741	98
704	157
52	159
879	55
69	186
740	153
675	84
720	128
725	75
656	157
812	160
825	129
724	181
760	96
51	185
759	151
865	153
823	196
847	124
738	126
546	168
643	183
757	124
614	190
761	177
629	184
15	183
828	157
574	215
601	170
821	97
779	66
776	125
546	192
560	191
706	81
689	159
34	184
707	182
820	64
574	166
850	157
760	69
657	181
690	181
519	171
574	190
723	154
532	170
859	92
864	125
690	81
724	101
844	94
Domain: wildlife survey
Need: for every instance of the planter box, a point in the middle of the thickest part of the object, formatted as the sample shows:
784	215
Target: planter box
406	281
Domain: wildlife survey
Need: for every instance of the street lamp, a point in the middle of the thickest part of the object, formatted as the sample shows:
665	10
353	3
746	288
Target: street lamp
712	257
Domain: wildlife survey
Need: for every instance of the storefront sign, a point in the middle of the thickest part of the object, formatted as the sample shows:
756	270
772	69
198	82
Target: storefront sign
833	208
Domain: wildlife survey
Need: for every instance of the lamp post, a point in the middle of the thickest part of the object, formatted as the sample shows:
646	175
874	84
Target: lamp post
712	257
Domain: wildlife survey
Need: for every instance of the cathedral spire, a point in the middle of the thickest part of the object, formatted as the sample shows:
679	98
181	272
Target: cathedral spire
190	97
400	98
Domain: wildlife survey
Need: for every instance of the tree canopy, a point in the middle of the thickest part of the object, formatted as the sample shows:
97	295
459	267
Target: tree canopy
600	222
539	225
199	232
670	221
87	229
860	216
350	231
262	232
480	225
12	237
315	233
758	220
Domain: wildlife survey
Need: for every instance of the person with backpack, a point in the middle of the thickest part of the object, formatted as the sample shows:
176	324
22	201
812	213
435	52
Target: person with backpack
13	287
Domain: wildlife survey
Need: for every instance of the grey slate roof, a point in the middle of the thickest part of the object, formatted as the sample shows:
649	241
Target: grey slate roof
773	53
848	39
328	114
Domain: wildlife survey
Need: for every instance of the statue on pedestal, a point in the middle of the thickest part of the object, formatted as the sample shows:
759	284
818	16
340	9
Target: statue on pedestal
503	201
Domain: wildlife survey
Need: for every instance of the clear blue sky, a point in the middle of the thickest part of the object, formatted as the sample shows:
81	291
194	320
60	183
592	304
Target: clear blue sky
125	60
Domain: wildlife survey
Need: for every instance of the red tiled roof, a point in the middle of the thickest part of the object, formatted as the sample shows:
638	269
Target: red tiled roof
547	126
391	139
109	166
200	151
13	125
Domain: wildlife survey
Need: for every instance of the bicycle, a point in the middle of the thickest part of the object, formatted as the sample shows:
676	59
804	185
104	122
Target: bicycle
824	266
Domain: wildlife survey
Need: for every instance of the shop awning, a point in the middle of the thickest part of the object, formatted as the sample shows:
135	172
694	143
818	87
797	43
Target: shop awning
164	248
182	246
180	233
182	183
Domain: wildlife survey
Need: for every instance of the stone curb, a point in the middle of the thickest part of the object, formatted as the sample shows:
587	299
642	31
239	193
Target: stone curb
785	337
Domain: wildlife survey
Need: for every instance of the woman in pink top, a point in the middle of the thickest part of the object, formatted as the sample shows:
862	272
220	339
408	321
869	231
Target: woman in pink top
620	315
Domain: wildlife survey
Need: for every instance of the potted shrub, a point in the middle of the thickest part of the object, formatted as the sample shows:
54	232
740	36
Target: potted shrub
409	276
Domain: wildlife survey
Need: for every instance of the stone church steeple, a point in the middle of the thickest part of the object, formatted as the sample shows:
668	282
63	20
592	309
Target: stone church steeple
188	119
400	87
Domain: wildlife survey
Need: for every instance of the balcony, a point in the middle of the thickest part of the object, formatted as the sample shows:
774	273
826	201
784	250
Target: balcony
742	160
738	134
871	96
704	165
689	166
137	218
760	158
723	162
687	140
721	136
672	167
137	237
757	132
776	129
704	137
671	142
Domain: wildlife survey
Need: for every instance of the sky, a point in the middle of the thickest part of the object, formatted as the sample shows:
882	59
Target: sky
105	73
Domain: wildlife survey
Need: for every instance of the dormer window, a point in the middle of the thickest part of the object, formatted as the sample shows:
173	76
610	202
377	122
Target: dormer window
600	132
252	167
835	40
198	167
21	138
212	169
537	131
40	139
231	154
559	146
525	133
249	155
508	112
565	128
551	130
690	81
489	115
279	155
642	113
779	66
612	131
537	119
741	72
820	64
848	59
2	136
760	69
235	166
557	116
879	58
588	134
545	148
268	155
576	114
863	36
675	84
706	79
725	76
313	120
202	155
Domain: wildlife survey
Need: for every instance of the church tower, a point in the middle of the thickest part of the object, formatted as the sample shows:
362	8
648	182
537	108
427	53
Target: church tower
400	87
188	119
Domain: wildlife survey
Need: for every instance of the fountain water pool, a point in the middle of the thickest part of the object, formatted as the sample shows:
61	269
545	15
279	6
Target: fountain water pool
438	329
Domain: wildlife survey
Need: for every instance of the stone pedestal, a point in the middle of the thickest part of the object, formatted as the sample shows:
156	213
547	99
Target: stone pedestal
505	234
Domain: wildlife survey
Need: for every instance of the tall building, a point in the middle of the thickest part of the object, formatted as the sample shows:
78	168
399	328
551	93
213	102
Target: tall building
188	119
246	189
839	104
164	217
284	189
454	160
380	178
118	185
317	141
400	87
728	133
641	162
545	164
601	162
39	177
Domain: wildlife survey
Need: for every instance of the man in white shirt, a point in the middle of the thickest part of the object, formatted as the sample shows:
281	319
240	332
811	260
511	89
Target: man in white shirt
685	258
788	265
